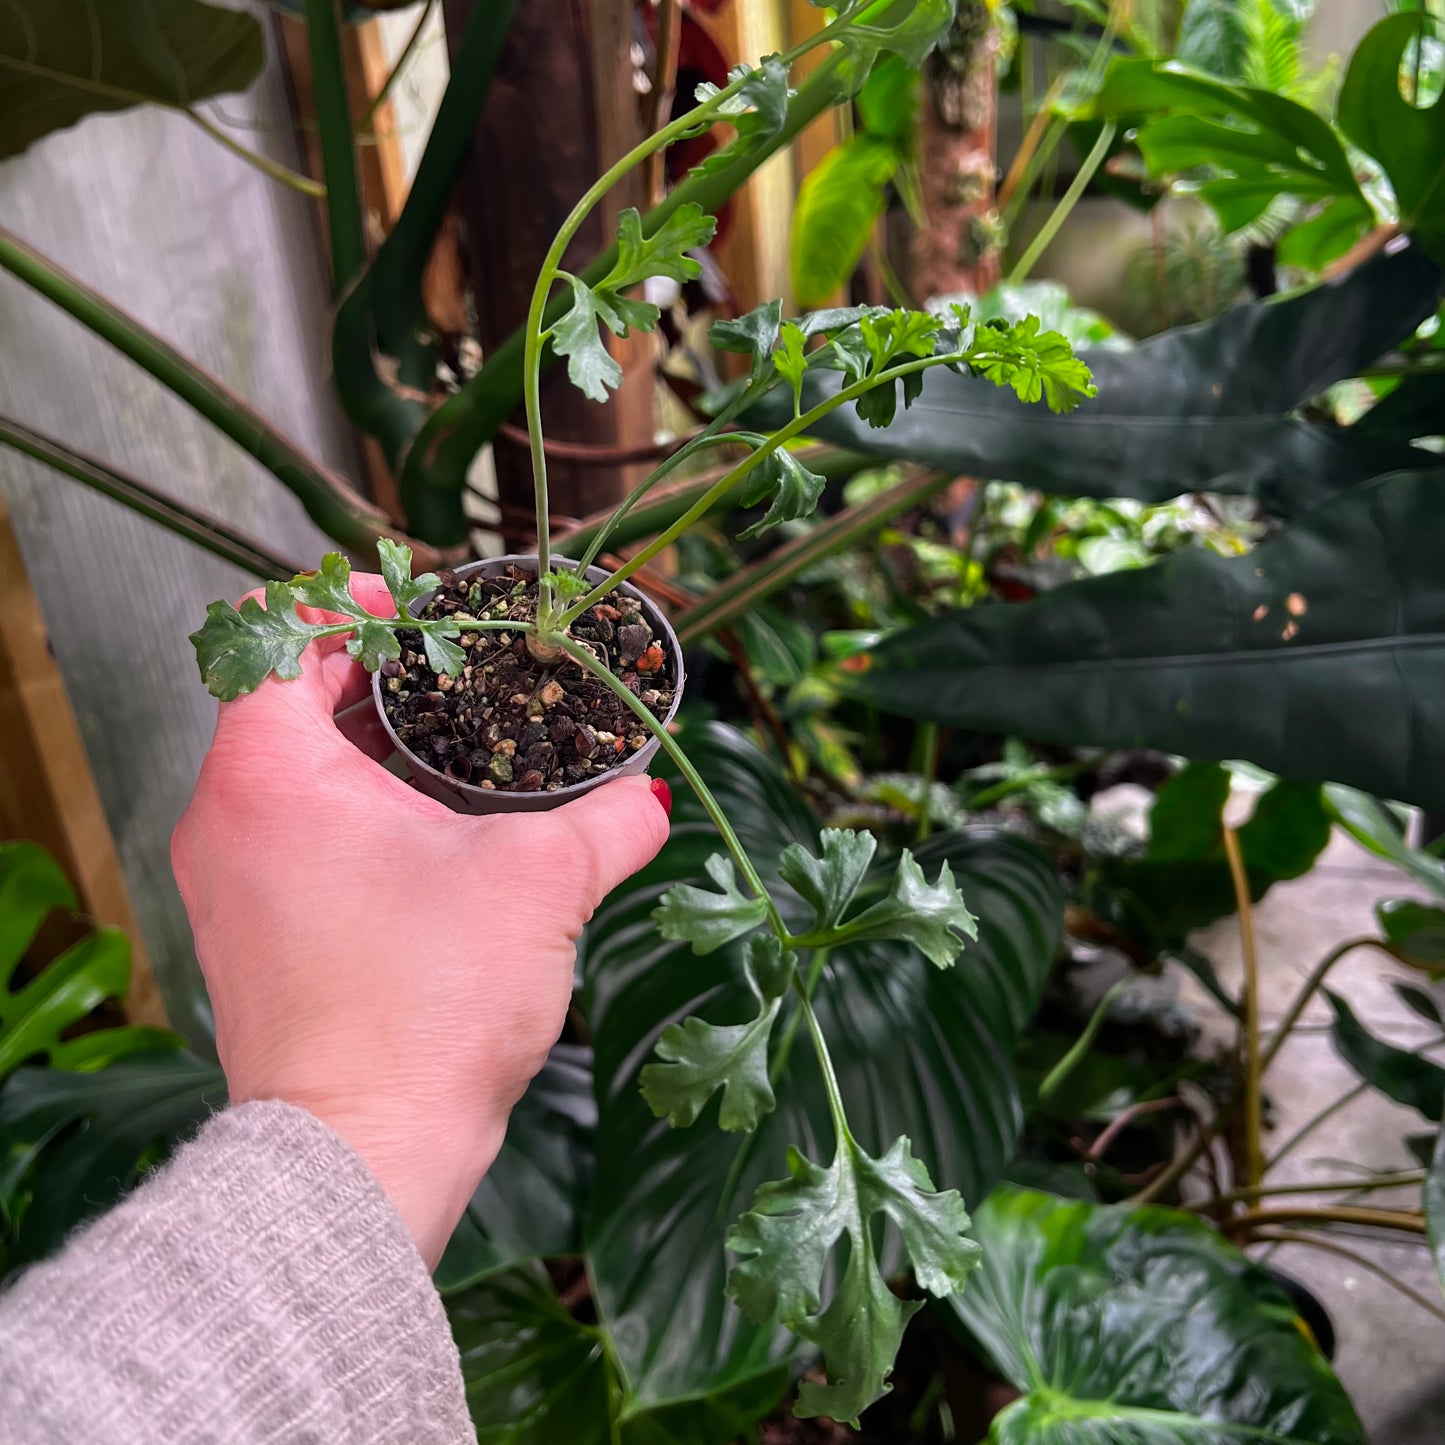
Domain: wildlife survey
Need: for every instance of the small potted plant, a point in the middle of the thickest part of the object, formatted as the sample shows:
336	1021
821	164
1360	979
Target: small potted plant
518	682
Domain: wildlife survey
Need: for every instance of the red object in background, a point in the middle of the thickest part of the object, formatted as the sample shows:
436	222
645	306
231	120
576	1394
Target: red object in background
699	59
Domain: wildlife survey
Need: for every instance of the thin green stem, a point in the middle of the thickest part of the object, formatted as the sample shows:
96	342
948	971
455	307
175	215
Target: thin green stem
1081	1046
169	512
1310	1125
1328	1186
1307	992
926	741
825	1063
673	749
756	458
1071	198
402	61
335	507
274	169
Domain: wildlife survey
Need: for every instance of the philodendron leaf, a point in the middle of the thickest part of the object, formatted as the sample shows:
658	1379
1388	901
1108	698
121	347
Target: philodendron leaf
794	489
1415	931
829	882
757	112
931	916
1403	1075
783	1244
405	589
700	1058
1140	1327
238	648
754	334
591	367
705	919
65	59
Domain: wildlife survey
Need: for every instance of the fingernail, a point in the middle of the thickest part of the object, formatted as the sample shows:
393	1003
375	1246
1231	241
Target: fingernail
663	794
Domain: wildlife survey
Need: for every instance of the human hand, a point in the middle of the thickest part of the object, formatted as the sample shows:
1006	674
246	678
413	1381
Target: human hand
397	969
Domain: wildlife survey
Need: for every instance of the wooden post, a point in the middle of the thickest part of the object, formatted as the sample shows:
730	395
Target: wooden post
958	247
562	108
47	792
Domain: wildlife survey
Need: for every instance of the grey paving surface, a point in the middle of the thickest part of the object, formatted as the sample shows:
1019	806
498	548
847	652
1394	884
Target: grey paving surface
1391	1353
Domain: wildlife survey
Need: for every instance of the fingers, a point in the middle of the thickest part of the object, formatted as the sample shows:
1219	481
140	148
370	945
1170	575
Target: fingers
620	827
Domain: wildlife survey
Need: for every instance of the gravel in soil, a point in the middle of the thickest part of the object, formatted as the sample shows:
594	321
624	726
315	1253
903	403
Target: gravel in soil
512	723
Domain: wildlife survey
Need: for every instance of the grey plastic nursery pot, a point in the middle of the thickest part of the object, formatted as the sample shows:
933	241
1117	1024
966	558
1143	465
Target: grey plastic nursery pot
467	797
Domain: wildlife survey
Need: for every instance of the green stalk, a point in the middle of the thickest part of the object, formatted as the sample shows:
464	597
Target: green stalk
1071	198
345	225
274	169
436	461
340	512
402	61
755	459
1081	1046
694	779
169	512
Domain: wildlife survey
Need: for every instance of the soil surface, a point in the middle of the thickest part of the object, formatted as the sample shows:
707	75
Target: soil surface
515	724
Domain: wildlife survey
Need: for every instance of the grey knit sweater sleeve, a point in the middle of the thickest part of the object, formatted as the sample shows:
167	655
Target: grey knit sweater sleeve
259	1288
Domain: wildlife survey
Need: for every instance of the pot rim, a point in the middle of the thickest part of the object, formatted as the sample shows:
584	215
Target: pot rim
497	800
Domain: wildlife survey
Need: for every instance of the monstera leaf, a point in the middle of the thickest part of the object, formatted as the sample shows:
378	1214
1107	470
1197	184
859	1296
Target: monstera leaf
1212	407
1141	1327
36	1016
61	60
1321	655
71	1143
529	1202
919	1050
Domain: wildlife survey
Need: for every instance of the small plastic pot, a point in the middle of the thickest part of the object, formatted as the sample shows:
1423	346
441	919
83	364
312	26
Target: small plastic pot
467	797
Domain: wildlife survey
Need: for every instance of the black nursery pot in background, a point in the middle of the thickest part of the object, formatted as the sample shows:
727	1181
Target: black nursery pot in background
468	797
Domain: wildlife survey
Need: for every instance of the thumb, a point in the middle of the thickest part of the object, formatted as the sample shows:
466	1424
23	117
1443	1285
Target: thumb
619	827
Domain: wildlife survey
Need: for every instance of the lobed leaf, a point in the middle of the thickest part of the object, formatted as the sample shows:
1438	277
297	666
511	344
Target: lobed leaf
700	1058
705	919
396	560
237	649
933	917
828	882
784	1241
757	112
794	489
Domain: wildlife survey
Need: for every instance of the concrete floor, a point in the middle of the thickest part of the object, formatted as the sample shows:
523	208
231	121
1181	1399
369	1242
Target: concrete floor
1391	1353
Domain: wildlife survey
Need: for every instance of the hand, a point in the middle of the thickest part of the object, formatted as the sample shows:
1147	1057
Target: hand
395	968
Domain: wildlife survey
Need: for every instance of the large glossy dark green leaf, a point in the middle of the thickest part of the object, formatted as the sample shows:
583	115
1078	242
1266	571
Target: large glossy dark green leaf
1183	881
1403	1075
36	1016
919	1050
1211	407
1407	140
1321	655
71	1144
1141	1327
61	60
528	1204
535	1375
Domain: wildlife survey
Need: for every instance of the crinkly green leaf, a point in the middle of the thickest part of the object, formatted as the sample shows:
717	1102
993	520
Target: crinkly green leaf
705	919
373	643
790	360
396	573
329	587
442	655
591	368
829	882
784	1241
933	917
1037	364
700	1058
568	584
664	253
756	112
794	489
237	649
915	29
754	334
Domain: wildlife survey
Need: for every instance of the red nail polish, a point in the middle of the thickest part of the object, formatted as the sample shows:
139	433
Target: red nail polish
663	794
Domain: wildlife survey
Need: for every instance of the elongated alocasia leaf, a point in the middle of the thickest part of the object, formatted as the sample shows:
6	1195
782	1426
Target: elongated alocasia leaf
919	1051
1200	408
1320	656
1141	1327
60	60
